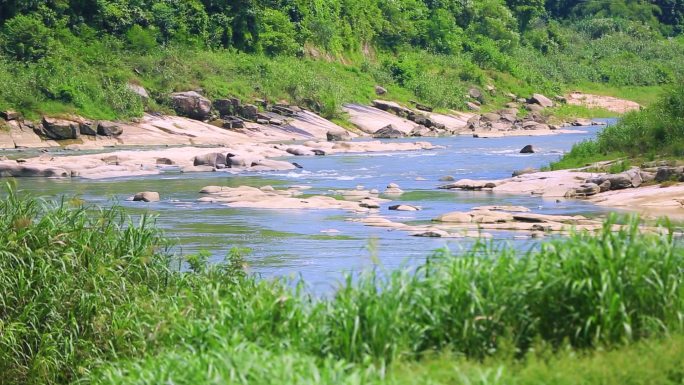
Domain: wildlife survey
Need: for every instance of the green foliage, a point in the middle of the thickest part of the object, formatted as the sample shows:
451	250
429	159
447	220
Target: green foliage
658	129
26	38
88	294
277	34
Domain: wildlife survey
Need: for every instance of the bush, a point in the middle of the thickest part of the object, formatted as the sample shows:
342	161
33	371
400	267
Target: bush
26	38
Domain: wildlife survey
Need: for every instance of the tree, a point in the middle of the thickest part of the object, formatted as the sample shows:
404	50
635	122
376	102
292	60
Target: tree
526	10
26	38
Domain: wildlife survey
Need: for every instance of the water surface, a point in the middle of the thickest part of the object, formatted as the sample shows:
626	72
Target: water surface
298	243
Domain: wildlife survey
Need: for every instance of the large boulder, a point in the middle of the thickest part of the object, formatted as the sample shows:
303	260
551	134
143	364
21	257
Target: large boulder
392	107
337	135
388	132
105	128
88	127
60	129
212	159
191	104
476	94
541	100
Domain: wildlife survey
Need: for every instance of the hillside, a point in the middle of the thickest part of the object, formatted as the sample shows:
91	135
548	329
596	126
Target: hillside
82	57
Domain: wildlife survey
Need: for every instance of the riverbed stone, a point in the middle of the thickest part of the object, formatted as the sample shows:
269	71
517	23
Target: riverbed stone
212	159
528	149
404	208
146	196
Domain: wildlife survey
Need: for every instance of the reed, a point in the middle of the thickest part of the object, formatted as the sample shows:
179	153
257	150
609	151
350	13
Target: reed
90	296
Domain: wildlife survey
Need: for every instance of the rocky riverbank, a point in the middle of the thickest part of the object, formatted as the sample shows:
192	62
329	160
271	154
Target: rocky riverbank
655	189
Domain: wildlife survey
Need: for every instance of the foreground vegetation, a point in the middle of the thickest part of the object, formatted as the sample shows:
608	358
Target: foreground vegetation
656	132
89	296
60	57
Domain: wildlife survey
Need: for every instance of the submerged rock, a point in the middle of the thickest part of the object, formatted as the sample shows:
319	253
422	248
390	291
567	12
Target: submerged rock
529	149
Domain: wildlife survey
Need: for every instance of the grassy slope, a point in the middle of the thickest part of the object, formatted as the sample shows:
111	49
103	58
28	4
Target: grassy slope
87	294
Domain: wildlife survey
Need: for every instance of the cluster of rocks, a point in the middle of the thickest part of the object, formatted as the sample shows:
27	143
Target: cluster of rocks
267	197
65	128
230	113
658	172
425	125
219	160
507	119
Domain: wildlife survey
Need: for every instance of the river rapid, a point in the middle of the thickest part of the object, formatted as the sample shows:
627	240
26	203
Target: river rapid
320	245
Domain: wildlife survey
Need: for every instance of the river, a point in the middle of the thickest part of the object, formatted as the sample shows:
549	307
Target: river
299	243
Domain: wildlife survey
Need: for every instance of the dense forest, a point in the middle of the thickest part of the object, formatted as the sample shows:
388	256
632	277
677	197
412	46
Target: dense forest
78	55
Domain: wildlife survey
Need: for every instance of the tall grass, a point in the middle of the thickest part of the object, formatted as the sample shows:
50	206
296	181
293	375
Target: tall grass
89	295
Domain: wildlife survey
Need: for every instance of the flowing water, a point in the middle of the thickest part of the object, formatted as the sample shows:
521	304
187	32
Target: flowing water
298	243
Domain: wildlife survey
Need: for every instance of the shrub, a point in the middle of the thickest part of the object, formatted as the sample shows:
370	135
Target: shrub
26	38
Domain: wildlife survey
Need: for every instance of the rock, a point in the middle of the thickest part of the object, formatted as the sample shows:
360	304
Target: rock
87	127
527	149
534	107
16	170
508	118
105	128
392	107
263	121
146	196
512	105
393	189
422	131
605	186
213	159
404	208
541	100
60	129
447	178
491	117
472	106
318	152
165	161
475	94
388	132
469	184
423	107
336	135
528	170
211	190
297	165
224	107
474	122
432	234
529	125
111	160
581	122
454	217
665	174
299	151
249	112
138	90
588	189
369	204
380	90
10	115
191	104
